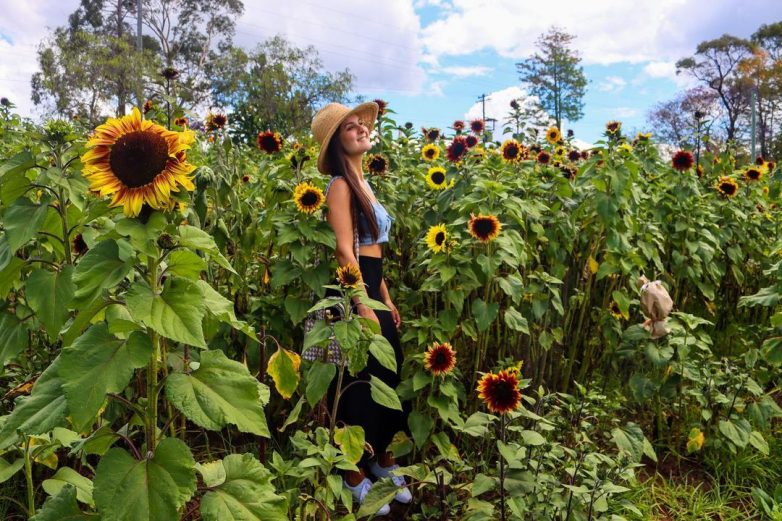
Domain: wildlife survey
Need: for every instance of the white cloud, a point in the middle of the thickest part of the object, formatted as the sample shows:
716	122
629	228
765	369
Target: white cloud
612	84
380	46
623	112
465	71
667	70
436	89
608	31
498	107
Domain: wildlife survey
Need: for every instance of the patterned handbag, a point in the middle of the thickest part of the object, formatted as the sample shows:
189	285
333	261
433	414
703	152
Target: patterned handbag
334	351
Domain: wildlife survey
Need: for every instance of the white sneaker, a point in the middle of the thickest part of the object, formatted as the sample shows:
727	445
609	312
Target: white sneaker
361	490
404	495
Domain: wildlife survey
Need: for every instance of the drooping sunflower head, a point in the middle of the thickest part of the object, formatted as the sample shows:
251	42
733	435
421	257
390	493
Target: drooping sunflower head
436	179
78	244
500	392
432	134
485	228
269	142
543	157
308	197
682	160
457	149
477	126
512	151
753	174
138	162
381	106
553	135
430	152
170	73
437	238
568	171
215	121
458	125
349	276
377	164
440	359
727	186
471	141
613	127
614	310
514	104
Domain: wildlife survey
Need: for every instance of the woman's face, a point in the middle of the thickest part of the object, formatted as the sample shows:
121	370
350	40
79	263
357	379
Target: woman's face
354	136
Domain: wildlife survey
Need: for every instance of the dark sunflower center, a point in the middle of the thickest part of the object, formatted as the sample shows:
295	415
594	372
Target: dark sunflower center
378	165
753	174
138	157
309	199
268	143
458	148
511	151
438	177
728	188
483	227
439	238
429	152
503	393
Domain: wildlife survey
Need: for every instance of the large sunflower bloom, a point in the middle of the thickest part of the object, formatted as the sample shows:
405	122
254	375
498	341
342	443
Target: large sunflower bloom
270	142
436	238
377	164
500	392
456	150
485	228
727	186
753	174
512	151
308	197
440	359
136	162
430	152
553	135
436	180
682	160
349	276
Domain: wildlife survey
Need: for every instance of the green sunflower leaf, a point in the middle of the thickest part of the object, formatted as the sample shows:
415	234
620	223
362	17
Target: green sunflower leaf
13	337
67	476
49	293
61	507
242	492
101	267
219	392
175	313
126	489
383	394
22	220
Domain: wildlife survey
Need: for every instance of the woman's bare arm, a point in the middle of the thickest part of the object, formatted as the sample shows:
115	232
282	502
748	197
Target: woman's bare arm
341	220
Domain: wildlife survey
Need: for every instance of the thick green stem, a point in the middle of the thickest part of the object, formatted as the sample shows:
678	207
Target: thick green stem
28	474
152	368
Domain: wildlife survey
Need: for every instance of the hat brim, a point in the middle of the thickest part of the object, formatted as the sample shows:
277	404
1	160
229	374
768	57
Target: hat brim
366	111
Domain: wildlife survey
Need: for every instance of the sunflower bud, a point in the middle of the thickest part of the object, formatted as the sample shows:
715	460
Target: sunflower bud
165	241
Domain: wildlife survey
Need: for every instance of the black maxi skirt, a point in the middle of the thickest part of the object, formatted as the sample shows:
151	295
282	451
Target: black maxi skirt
356	406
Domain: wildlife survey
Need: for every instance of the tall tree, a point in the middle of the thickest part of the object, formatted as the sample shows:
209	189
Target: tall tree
677	121
764	71
276	86
716	65
554	75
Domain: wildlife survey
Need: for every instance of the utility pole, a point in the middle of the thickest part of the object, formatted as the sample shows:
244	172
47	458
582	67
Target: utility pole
482	99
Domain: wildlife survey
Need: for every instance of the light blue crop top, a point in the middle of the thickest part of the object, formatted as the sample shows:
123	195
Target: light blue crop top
381	216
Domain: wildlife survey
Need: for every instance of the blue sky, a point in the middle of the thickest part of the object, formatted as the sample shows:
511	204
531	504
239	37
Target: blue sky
431	59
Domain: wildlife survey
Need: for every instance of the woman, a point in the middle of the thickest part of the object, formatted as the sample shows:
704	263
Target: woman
343	135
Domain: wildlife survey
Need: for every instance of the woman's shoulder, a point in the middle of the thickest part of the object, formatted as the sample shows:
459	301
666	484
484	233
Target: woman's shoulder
336	181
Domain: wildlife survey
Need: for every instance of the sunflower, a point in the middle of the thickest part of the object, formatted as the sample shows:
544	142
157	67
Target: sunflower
643	136
553	135
568	171
727	186
215	121
759	161
627	147
771	166
485	228
573	156
137	161
181	122
148	105
456	150
270	142
613	308
682	160
381	106
436	180
477	126
432	134
544	157
377	164
308	197
753	174
471	141
458	125
613	127
245	179
349	276
500	392
436	238
79	245
440	359
512	151
170	73
430	152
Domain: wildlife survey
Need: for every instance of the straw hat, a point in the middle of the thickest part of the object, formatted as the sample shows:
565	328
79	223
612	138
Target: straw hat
327	121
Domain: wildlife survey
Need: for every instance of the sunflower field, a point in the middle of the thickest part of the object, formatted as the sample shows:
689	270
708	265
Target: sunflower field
155	281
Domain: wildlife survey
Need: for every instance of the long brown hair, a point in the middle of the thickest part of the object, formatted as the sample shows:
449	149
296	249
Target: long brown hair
338	164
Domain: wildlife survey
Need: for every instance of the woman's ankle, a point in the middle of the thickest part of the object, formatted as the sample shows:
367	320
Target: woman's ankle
354	478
